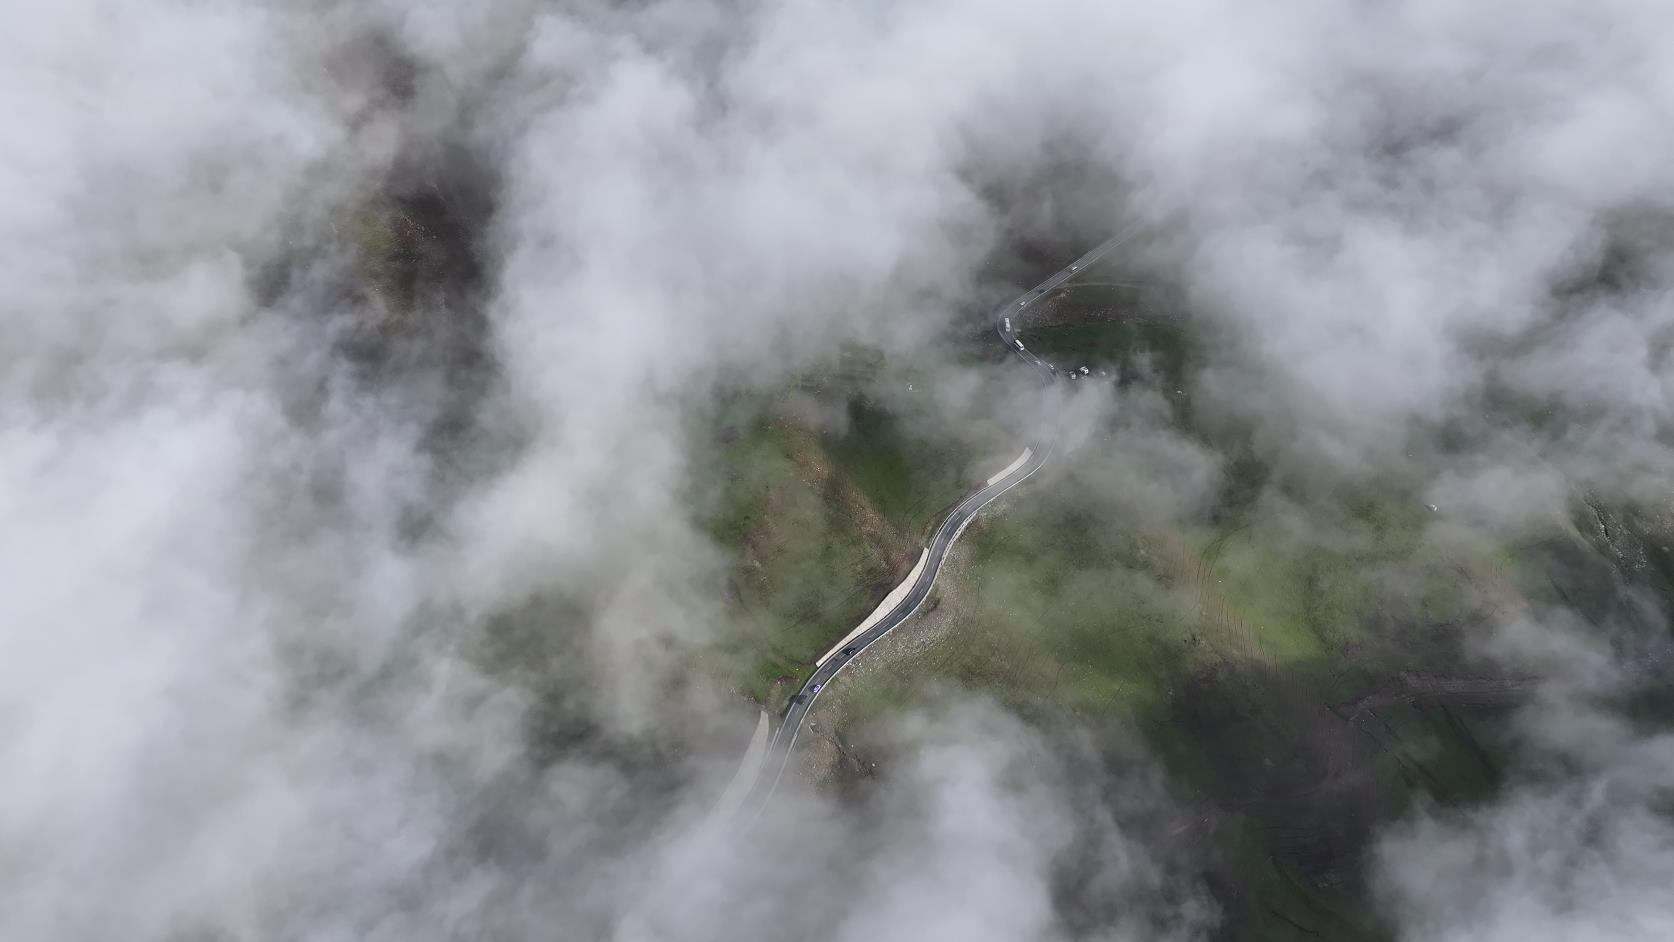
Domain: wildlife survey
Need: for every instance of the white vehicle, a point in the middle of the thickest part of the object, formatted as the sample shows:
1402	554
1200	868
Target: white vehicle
1007	322
1074	267
1023	303
1019	344
1085	371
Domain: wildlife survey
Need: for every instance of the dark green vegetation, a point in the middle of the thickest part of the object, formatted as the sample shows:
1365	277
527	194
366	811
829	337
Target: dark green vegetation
1297	660
1134	330
1299	693
910	481
803	566
822	502
1136	347
1253	663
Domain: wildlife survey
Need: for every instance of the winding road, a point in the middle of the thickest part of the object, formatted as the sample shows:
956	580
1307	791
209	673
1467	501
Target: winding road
783	744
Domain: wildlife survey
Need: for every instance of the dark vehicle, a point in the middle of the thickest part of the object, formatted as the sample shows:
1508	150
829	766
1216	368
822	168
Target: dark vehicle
849	651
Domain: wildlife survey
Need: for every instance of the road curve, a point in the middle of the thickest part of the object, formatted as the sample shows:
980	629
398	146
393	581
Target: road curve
1005	318
784	739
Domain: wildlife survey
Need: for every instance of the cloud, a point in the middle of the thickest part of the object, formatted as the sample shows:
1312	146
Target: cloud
1382	201
1581	851
264	548
261	567
987	830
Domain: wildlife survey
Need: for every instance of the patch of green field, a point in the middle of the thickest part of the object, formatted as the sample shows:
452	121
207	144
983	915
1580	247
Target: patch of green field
740	467
1079	614
1265	651
800	570
813	527
1064	624
1131	344
911	480
1264	896
1265	585
1291	789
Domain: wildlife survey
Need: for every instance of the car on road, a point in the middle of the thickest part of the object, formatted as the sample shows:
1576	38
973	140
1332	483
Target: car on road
1085	371
850	650
1006	321
1018	344
815	688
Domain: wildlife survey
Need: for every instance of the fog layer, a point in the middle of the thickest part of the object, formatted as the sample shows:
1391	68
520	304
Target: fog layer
265	534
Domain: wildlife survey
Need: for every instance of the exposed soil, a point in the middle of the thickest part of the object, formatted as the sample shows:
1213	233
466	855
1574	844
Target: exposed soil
899	550
933	629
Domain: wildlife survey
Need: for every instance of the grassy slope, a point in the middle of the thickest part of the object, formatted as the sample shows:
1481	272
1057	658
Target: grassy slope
1148	345
1250	661
910	481
1134	328
819	527
1240	653
801	566
1245	714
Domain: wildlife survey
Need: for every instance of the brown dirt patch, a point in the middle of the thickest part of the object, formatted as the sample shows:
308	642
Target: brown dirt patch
900	550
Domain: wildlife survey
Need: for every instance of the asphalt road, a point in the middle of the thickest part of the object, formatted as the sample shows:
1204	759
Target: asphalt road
1006	318
1006	324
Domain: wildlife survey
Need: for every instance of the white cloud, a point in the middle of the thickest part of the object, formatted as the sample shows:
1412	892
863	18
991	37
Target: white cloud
247	587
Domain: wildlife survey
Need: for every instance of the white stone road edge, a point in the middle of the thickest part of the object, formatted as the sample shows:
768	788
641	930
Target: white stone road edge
890	601
791	747
900	591
1021	460
748	770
